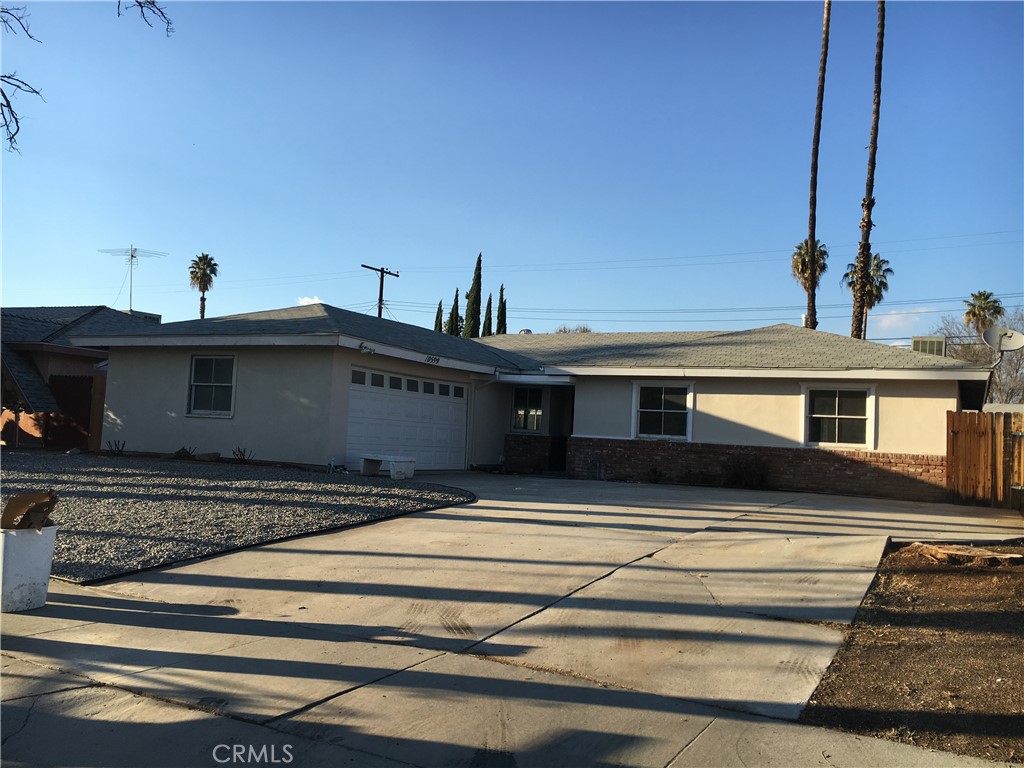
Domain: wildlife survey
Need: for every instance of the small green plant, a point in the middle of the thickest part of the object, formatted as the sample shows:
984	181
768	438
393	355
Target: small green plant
241	455
185	453
116	447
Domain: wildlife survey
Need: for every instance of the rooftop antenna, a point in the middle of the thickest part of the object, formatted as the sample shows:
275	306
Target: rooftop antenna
1002	340
131	255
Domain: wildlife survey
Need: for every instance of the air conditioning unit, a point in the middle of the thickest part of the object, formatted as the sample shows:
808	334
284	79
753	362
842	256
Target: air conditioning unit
930	345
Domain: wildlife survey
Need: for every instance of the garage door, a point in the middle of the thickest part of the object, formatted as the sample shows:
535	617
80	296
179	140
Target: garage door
409	416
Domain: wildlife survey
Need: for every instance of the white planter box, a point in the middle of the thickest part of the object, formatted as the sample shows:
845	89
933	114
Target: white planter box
26	556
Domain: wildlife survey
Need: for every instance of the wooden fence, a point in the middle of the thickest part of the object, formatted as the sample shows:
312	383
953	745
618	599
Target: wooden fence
985	459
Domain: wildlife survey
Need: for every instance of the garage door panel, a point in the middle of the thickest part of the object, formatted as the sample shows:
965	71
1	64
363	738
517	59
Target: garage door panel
408	421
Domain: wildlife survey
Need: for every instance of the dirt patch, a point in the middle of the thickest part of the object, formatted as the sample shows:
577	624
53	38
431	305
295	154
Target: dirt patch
935	656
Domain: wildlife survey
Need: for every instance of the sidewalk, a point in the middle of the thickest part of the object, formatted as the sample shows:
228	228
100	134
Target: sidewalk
552	622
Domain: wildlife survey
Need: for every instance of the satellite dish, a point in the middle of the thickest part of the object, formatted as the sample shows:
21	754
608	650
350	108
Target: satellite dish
1003	339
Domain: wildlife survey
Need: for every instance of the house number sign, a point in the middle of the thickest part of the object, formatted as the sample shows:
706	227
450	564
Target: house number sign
432	360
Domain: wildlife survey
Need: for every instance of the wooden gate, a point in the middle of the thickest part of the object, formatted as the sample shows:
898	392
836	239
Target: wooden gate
985	459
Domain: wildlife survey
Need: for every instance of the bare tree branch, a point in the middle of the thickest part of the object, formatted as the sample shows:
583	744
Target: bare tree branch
146	8
14	19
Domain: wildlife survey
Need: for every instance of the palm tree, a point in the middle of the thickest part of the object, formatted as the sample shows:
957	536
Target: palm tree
857	323
983	309
877	286
201	272
802	268
811	321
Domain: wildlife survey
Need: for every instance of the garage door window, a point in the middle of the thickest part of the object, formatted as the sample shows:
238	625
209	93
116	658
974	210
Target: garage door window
211	386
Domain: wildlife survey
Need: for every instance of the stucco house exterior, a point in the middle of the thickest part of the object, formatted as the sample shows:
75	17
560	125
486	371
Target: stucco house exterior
780	406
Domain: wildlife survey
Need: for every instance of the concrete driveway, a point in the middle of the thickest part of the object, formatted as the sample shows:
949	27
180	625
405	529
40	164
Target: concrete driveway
551	623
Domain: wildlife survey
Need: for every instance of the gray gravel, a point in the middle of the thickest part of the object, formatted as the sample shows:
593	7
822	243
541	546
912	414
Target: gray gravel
118	514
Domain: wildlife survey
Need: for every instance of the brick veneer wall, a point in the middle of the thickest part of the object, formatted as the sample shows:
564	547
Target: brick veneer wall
526	453
888	475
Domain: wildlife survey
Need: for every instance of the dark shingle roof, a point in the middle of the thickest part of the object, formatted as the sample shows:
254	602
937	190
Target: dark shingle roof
325	320
774	347
52	325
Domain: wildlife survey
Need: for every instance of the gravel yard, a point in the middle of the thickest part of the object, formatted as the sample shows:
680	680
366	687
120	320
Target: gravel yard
118	514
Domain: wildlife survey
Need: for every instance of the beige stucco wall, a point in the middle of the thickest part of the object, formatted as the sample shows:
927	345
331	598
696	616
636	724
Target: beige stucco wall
910	416
603	407
281	407
291	403
489	417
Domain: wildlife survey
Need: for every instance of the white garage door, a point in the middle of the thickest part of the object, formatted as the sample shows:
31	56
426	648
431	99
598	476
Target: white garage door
407	416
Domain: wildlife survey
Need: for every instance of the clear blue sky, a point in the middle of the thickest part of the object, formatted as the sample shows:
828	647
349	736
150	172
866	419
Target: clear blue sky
632	166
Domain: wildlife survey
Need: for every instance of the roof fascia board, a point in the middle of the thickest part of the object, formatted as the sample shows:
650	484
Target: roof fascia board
375	348
936	374
535	378
56	349
278	340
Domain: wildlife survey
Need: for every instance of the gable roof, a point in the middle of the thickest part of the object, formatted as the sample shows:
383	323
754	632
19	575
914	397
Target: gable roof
310	322
27	329
779	347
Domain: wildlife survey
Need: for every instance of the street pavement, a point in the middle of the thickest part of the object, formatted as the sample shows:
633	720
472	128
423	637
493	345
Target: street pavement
550	623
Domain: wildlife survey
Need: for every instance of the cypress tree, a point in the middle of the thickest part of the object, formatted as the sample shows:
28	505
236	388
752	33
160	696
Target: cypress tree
472	327
487	331
453	325
502	324
439	319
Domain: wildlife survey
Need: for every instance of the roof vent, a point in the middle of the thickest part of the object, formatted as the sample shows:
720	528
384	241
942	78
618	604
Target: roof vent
525	330
930	345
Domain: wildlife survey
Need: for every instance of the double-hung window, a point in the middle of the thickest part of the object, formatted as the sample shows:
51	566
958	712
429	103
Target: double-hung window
211	386
663	411
838	416
527	408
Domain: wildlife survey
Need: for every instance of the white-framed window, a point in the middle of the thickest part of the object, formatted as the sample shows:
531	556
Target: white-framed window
839	416
527	408
662	409
211	386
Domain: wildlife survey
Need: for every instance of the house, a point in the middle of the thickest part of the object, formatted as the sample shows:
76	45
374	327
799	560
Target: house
780	406
53	392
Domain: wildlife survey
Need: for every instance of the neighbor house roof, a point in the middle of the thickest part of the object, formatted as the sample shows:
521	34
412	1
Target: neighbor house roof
25	330
312	323
777	347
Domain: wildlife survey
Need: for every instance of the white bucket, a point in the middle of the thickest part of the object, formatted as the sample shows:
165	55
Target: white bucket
26	555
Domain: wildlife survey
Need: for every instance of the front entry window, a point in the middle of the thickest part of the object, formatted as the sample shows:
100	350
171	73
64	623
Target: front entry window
527	409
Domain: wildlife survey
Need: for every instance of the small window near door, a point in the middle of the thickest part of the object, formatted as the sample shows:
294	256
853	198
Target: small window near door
527	410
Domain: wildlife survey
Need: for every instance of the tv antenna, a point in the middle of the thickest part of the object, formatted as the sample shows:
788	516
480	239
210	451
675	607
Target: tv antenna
131	255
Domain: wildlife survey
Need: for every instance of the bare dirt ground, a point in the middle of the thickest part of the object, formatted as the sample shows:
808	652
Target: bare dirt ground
935	657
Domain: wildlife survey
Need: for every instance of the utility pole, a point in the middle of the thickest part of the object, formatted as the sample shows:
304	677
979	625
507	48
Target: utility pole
380	296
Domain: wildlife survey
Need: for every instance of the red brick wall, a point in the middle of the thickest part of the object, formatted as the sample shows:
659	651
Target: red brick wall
887	475
526	453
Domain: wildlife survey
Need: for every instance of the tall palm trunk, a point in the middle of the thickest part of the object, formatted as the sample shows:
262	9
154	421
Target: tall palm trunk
202	305
811	320
860	288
